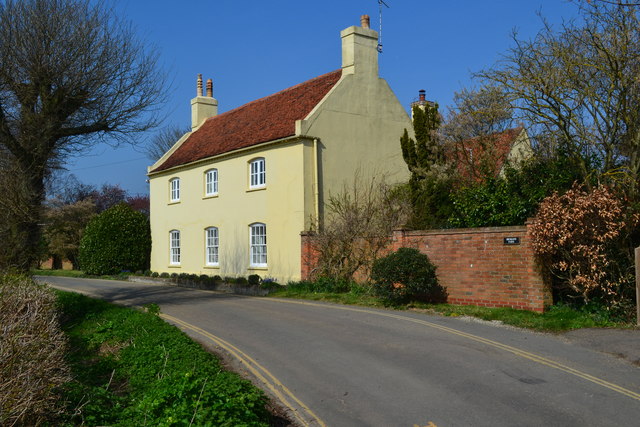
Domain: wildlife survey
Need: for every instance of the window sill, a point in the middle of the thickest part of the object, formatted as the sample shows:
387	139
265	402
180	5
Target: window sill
258	267
174	202
210	196
174	266
212	267
251	189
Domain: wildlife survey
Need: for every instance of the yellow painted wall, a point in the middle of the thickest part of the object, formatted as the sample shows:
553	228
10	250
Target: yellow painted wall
280	206
359	123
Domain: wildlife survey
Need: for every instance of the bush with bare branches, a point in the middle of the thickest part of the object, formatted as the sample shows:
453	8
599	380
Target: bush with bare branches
32	348
357	227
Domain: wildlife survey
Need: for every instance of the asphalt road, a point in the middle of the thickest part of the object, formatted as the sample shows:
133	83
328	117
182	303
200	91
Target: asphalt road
348	366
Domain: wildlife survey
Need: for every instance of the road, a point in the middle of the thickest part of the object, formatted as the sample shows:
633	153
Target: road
338	365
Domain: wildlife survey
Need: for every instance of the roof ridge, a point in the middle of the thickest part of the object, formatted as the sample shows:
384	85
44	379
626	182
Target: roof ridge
264	98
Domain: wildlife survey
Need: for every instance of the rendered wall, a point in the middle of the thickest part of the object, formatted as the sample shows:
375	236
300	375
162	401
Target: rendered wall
280	206
474	265
359	124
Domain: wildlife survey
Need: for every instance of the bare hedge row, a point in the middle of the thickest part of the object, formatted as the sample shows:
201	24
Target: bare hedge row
32	349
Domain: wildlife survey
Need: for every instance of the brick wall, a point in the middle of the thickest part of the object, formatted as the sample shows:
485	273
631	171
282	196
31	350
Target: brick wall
474	265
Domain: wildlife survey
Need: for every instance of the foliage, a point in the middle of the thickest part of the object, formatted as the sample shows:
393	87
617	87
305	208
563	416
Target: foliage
357	225
132	368
406	275
254	280
64	226
323	284
577	88
513	198
117	239
428	188
32	350
471	130
578	235
71	72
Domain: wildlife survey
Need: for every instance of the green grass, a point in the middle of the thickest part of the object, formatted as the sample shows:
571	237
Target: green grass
132	368
78	273
61	273
557	319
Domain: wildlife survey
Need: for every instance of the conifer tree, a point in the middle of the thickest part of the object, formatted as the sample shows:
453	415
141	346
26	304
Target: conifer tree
429	184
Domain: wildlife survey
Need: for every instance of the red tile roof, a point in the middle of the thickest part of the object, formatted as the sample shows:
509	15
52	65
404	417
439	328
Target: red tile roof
262	120
476	151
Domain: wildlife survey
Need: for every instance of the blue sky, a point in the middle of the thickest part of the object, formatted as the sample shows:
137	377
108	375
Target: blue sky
254	48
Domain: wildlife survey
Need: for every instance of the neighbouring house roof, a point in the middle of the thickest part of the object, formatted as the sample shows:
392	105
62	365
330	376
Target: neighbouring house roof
494	148
266	119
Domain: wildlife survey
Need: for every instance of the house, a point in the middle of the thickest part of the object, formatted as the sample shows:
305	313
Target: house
488	155
232	196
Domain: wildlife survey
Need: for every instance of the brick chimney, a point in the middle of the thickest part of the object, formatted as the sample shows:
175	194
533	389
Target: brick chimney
203	107
359	49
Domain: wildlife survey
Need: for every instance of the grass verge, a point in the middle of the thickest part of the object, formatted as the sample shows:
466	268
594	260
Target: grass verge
558	318
77	273
132	368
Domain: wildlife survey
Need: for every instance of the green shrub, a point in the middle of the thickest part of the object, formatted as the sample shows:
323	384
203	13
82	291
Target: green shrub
164	275
254	279
406	275
174	276
118	239
217	278
241	281
155	274
32	353
152	374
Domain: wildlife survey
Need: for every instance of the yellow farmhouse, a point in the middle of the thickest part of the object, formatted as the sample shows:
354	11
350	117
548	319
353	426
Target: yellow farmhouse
232	196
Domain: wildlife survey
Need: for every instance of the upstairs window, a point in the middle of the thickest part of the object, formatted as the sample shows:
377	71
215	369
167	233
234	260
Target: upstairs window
211	182
212	245
174	186
257	173
174	247
258	245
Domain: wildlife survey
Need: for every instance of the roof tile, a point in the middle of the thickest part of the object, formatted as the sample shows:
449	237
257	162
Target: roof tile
266	119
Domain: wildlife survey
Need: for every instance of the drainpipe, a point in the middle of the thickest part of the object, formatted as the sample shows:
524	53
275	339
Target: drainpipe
316	190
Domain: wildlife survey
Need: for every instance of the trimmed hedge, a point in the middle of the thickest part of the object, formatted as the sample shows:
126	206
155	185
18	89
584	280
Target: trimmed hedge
119	239
406	275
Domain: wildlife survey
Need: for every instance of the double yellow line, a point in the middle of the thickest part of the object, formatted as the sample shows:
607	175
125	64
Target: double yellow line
284	395
518	352
271	382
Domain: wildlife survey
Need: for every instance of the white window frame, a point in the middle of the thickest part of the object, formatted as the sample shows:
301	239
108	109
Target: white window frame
212	246
211	182
174	189
258	173
174	247
258	245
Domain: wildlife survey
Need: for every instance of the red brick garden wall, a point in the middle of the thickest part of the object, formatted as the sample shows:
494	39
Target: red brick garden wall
474	265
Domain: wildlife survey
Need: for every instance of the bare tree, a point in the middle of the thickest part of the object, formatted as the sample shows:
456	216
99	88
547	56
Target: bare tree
164	140
472	128
71	73
357	227
579	90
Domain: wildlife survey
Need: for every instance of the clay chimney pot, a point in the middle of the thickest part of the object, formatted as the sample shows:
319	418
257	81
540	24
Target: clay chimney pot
364	21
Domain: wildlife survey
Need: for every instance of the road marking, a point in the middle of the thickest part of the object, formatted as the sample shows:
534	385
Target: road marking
518	352
260	372
256	369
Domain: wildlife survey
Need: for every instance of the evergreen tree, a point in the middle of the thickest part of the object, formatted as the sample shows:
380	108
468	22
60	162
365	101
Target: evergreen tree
429	185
